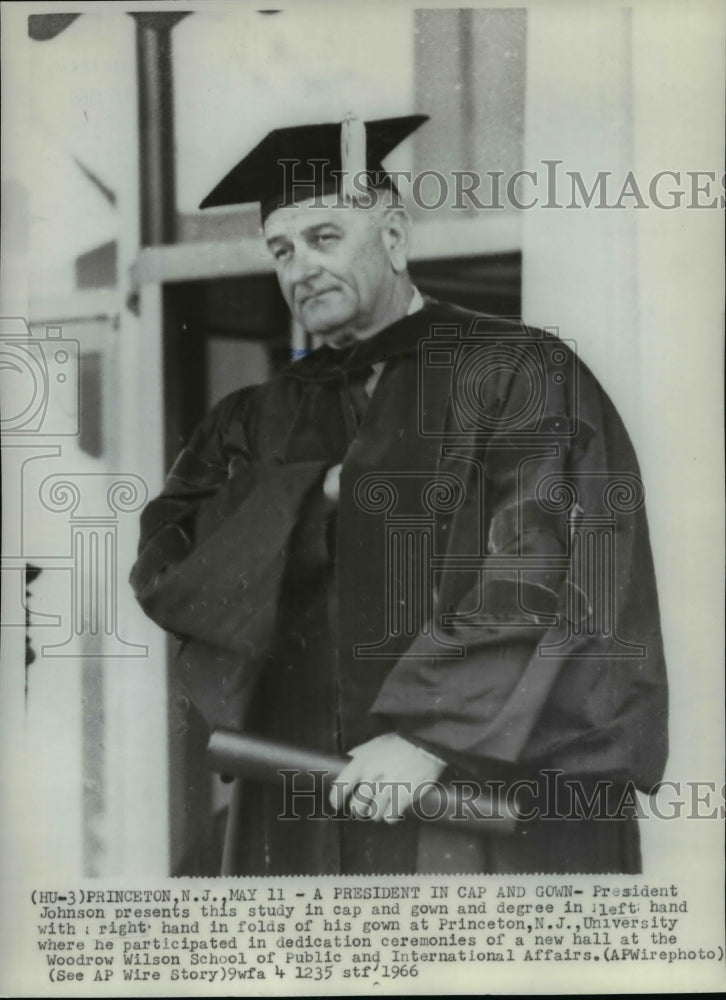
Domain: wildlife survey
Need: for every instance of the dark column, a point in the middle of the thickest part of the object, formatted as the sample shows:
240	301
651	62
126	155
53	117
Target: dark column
156	125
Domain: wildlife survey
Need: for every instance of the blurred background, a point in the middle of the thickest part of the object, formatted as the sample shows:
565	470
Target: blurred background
118	125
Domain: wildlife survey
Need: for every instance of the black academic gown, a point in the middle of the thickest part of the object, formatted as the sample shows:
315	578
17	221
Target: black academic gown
484	587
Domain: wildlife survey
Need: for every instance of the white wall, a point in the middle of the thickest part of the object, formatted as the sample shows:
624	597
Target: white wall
74	99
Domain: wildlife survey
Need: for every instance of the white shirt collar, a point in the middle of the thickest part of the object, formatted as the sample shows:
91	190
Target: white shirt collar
416	305
417	302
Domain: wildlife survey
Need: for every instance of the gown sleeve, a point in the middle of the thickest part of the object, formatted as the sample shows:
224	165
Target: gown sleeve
515	695
212	553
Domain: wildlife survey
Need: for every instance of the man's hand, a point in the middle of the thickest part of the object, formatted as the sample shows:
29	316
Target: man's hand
383	777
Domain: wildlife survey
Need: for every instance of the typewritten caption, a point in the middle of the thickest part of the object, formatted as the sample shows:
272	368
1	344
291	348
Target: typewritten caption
338	931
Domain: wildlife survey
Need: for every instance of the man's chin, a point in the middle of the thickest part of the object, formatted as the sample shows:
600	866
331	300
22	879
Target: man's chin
333	330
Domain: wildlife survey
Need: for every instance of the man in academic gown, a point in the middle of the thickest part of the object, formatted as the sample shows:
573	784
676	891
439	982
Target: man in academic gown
424	545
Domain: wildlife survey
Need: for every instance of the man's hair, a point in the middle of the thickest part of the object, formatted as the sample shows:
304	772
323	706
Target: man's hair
377	190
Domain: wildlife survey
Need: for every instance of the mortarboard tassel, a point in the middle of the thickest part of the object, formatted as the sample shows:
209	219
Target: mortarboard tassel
352	154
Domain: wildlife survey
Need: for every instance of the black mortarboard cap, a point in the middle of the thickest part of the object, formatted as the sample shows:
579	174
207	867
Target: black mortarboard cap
292	164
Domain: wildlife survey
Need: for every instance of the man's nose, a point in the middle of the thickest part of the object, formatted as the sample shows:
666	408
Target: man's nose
305	264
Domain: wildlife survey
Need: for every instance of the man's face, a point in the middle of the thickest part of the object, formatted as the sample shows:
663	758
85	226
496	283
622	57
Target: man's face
333	266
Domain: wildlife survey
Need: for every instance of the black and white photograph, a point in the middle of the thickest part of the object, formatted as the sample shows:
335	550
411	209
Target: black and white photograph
362	447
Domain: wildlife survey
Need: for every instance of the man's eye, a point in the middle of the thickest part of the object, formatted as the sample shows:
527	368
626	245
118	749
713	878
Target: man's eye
282	253
325	239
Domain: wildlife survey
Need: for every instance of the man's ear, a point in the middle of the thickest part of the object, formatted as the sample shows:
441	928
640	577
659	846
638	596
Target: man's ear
395	232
